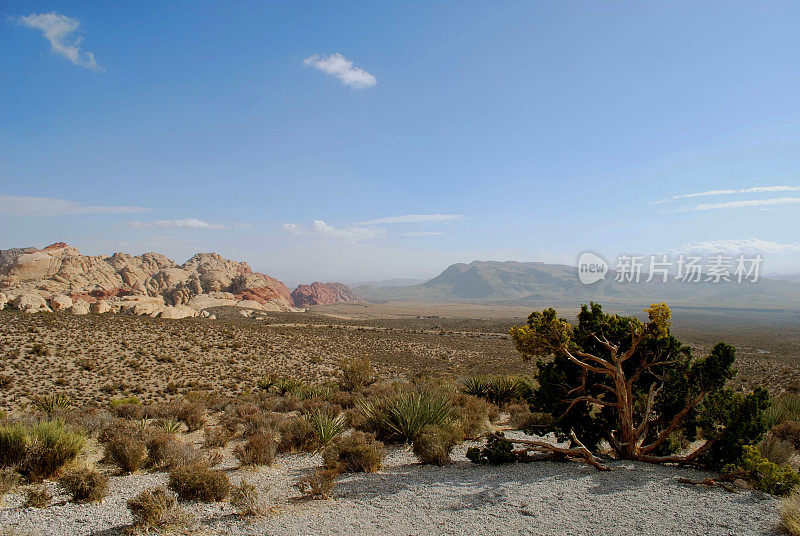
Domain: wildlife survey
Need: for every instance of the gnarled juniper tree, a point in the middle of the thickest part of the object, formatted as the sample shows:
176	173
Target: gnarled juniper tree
633	384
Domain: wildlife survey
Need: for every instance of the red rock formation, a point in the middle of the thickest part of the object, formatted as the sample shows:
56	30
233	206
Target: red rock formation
323	294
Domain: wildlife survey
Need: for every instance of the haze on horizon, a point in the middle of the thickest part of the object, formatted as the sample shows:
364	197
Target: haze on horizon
362	142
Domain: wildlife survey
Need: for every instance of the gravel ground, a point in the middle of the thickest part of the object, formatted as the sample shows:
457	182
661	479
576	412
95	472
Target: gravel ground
460	499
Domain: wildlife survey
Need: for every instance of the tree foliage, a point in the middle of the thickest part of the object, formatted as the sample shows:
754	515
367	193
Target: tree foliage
635	385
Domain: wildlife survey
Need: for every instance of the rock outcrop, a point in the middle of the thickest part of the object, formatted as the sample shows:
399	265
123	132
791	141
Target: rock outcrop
323	294
58	277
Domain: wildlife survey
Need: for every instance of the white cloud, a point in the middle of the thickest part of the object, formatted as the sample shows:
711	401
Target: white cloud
58	29
746	204
49	206
188	223
415	218
423	233
751	190
348	234
746	245
343	69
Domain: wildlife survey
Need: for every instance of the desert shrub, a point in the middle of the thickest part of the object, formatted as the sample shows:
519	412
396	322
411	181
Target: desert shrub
763	474
126	452
296	434
789	510
355	373
127	408
164	451
85	485
285	403
434	443
214	458
258	423
216	436
318	484
9	479
788	431
37	497
776	449
522	418
343	399
192	414
402	417
50	446
266	383
473	414
13	444
199	482
496	451
156	509
6	382
325	427
245	498
260	449
358	452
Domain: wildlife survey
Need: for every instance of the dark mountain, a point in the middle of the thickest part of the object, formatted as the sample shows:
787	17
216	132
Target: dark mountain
523	283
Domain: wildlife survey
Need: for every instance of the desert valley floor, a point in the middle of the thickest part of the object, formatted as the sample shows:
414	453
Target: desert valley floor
96	358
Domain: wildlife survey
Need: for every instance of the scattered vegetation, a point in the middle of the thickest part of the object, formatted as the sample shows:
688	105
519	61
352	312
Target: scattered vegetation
318	484
85	485
246	500
357	452
199	482
157	509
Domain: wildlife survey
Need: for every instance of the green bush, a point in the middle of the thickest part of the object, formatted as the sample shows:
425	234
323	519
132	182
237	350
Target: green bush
199	482
434	443
402	417
358	452
763	474
13	444
85	485
50	446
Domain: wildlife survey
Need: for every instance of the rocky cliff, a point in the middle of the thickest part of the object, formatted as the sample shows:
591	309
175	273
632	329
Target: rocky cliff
59	277
323	294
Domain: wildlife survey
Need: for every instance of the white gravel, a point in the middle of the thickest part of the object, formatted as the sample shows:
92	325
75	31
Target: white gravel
460	499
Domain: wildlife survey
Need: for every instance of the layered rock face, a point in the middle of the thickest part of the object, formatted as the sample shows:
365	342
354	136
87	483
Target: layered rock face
58	277
323	294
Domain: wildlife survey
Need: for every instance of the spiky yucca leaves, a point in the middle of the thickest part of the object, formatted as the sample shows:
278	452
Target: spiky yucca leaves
267	383
402	417
307	392
502	390
288	385
476	386
325	426
50	404
170	426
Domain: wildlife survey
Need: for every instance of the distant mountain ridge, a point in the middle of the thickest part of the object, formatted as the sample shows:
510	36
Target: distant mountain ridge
513	282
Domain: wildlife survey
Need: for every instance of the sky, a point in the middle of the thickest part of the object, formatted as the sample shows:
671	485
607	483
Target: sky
361	141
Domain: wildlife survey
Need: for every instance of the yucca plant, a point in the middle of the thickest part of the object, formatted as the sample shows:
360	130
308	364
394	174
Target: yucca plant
785	407
142	425
288	385
267	383
170	426
502	390
324	392
49	404
476	386
403	416
325	426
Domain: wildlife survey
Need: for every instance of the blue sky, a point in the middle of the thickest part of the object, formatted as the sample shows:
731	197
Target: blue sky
353	141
